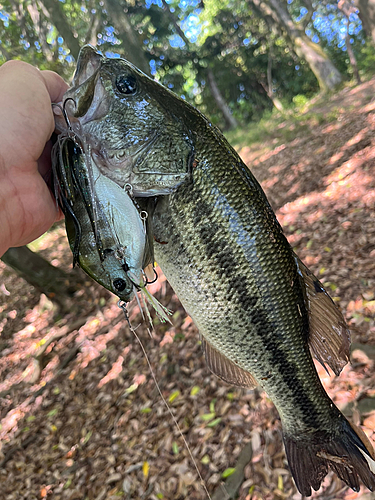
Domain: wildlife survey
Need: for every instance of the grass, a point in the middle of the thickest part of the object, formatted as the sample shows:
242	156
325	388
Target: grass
276	128
37	244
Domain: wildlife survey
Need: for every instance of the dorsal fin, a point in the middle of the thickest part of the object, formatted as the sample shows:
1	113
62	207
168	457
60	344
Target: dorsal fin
225	369
329	336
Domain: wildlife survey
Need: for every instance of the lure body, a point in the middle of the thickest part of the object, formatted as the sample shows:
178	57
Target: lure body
104	228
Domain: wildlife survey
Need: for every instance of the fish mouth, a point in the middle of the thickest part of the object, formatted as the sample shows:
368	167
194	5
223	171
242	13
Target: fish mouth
86	99
86	103
89	62
119	150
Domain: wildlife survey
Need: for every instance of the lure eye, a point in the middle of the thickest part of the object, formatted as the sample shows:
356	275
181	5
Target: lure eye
119	284
126	84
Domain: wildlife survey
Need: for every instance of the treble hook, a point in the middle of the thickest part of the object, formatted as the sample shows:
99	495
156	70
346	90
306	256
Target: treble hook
122	305
66	114
63	111
147	281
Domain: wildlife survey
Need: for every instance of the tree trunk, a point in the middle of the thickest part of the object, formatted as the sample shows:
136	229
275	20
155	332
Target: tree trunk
59	20
50	280
276	102
131	44
93	28
19	12
42	38
348	8
320	64
176	26
310	8
230	121
367	16
352	59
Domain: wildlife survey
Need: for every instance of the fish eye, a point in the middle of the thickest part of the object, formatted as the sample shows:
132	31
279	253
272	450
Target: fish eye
119	284
126	84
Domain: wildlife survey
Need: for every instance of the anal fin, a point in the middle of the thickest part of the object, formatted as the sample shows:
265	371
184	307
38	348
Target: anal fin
225	369
329	337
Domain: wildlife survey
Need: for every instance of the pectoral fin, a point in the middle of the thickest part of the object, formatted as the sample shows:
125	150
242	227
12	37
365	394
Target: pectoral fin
329	338
225	369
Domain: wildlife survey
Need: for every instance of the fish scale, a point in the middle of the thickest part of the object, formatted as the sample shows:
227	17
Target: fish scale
258	309
257	328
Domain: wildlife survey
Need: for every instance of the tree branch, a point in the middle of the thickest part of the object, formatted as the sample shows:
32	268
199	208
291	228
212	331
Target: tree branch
131	42
58	18
228	491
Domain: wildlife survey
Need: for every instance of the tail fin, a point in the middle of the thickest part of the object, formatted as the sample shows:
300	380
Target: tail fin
345	453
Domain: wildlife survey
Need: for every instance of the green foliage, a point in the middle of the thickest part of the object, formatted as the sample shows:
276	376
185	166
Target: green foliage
182	40
276	129
366	59
300	100
194	391
173	396
228	472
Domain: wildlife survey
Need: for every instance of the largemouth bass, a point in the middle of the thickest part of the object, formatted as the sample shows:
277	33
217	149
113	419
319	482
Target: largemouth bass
257	307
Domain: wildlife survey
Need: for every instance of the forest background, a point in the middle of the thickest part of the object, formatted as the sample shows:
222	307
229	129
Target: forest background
291	83
234	59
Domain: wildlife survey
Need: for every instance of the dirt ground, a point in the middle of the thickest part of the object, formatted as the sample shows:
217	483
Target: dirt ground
81	417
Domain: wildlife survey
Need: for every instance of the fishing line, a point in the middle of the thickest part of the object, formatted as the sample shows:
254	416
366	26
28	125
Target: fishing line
122	305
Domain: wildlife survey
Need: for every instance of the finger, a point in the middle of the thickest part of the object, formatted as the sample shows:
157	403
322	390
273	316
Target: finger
45	170
55	85
26	113
44	162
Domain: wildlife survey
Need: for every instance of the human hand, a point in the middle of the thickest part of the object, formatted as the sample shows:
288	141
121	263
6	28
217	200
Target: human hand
27	208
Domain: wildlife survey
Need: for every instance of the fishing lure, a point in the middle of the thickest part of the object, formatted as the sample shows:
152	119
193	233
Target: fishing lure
107	230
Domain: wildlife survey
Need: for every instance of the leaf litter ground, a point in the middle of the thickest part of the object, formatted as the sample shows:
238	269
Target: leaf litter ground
80	415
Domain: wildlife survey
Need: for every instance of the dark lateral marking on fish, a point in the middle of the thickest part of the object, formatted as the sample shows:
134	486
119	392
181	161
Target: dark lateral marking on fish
200	212
226	260
239	284
176	241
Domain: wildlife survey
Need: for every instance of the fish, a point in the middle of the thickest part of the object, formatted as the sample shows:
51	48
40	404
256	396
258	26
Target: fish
261	314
